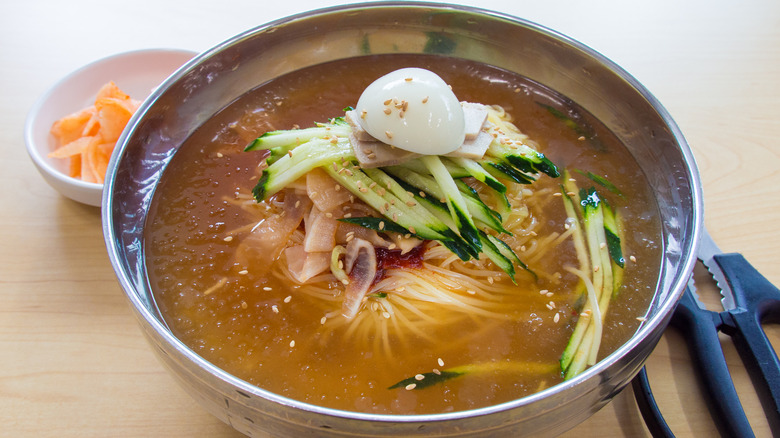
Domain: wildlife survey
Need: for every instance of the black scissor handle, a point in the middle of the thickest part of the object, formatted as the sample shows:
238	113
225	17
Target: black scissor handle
700	329
757	301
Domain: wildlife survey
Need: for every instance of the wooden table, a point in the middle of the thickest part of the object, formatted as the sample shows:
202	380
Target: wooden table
72	359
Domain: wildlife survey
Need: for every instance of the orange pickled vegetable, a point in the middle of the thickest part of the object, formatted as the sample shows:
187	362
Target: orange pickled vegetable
88	137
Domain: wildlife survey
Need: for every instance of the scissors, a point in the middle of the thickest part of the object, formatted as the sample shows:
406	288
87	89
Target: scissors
749	300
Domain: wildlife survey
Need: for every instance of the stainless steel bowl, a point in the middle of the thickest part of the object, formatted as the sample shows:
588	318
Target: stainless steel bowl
217	77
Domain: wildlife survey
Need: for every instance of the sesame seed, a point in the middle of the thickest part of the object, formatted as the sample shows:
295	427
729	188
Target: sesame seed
549	294
363	190
408	79
228	238
219	155
387	102
275	309
633	259
557	317
441	362
419	377
363	114
244	305
288	299
292	344
436	371
411	203
389	134
411	386
372	185
641	319
328	214
581	138
347	171
289	153
386	315
387	111
381	225
337	187
422	194
335	167
348	215
345	282
543	292
323	319
266	288
490	280
297	204
471	292
412	230
596	268
425	99
552	305
243	272
392	246
395	217
603	245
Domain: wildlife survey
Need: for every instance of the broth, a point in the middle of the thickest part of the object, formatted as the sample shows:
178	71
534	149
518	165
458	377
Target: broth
269	333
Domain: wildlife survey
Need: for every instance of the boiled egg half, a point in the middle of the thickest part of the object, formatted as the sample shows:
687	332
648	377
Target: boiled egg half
413	109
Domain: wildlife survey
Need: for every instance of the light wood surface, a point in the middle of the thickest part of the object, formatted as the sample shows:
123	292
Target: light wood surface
72	358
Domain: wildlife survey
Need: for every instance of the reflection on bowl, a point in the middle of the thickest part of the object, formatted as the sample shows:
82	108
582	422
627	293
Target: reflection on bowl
137	73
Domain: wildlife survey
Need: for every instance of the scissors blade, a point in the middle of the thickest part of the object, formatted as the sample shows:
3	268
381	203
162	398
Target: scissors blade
708	249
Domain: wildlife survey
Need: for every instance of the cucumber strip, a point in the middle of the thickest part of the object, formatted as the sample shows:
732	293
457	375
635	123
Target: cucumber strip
455	201
524	158
613	236
312	154
507	252
379	224
478	172
289	139
474	205
497	256
441	212
418	166
501	169
360	185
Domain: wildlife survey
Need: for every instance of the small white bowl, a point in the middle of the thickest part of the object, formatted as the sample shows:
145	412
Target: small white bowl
137	73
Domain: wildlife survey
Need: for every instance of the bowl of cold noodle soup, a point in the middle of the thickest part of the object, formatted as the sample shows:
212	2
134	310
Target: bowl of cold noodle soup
402	219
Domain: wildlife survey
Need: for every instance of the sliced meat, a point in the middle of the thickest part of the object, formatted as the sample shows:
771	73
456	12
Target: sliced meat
377	154
474	149
474	116
353	119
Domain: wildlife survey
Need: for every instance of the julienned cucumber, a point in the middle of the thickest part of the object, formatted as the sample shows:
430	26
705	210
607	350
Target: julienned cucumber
422	197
